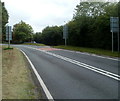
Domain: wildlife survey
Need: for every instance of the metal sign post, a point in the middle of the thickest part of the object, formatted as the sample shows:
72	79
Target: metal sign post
65	33
118	40
114	27
8	35
112	42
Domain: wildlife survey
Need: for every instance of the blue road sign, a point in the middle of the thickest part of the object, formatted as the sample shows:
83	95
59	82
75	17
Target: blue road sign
114	24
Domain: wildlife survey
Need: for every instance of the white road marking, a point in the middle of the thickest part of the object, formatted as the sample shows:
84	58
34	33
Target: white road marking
49	96
95	69
115	59
90	54
101	71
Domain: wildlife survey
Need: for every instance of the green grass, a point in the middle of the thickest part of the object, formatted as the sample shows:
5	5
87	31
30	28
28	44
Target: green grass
34	44
90	50
8	48
17	82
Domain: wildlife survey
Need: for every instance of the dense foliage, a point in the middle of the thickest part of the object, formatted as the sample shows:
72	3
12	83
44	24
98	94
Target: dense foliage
22	32
50	36
0	21
90	27
4	19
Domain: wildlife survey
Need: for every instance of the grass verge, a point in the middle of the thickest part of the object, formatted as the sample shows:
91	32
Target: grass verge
8	48
37	44
90	50
17	81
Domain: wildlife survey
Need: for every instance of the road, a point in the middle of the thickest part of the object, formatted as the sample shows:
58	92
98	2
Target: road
74	75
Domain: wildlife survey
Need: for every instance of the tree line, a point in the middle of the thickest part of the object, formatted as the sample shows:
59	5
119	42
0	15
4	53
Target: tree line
90	27
4	19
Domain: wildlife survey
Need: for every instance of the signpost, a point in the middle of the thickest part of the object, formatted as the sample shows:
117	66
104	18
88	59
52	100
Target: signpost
114	28
8	34
65	33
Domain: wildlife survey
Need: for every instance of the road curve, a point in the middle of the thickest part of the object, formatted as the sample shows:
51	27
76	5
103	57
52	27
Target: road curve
66	80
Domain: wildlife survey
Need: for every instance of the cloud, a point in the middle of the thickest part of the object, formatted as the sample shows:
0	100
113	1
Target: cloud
40	13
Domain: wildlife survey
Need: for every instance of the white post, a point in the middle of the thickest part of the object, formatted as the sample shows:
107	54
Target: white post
118	40
9	43
65	41
9	30
112	42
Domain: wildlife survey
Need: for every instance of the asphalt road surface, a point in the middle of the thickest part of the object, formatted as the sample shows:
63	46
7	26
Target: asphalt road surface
74	75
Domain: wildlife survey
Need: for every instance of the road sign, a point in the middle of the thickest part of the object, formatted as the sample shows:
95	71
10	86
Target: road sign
8	33
114	27
114	24
65	32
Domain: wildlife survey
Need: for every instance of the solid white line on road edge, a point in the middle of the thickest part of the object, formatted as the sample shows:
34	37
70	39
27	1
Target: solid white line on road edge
100	71
49	96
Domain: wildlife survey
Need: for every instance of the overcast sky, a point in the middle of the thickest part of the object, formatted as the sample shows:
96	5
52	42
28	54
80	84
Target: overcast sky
40	13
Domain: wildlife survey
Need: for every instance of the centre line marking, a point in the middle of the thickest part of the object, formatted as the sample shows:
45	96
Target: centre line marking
92	68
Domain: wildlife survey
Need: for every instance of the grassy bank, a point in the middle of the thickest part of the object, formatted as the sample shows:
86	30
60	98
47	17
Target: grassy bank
90	50
17	81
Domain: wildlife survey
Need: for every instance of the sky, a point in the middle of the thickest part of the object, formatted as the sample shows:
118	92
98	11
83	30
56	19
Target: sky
40	13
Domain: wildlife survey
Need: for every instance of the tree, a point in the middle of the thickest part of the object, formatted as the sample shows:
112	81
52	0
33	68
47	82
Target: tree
22	32
92	9
0	21
38	37
4	19
52	35
90	26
